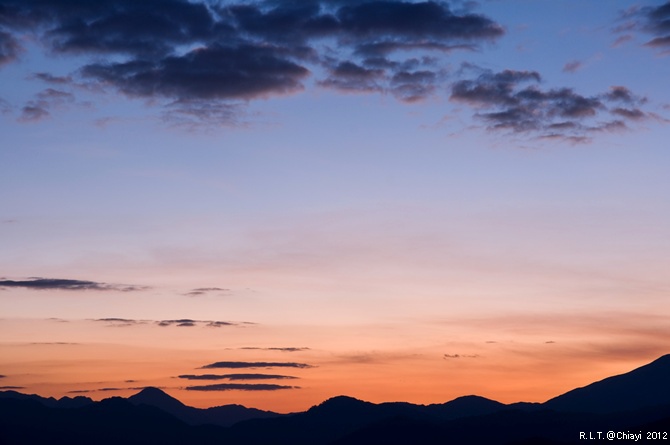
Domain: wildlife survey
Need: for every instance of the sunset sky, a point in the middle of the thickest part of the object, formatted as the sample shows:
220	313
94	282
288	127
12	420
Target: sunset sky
272	203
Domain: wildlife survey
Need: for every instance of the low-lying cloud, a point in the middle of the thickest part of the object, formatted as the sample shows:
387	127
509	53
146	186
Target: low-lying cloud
180	322
67	284
237	377
240	387
204	291
284	349
240	365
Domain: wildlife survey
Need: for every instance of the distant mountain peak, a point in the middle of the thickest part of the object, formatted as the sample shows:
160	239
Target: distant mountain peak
341	401
154	397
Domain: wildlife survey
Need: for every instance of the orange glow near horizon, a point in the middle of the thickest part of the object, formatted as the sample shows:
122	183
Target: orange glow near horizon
518	368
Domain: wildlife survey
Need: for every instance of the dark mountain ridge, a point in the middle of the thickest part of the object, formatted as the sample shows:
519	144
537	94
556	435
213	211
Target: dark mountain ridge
645	386
225	415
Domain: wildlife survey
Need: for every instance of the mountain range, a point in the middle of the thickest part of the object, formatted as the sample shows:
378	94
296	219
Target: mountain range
629	404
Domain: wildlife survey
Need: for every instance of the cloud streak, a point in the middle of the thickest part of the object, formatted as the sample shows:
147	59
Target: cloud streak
68	284
236	377
240	365
180	322
285	349
204	291
240	387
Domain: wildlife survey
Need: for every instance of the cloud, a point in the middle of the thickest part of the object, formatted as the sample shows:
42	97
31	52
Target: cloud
218	324
52	79
34	112
658	24
39	109
236	377
413	22
650	20
216	72
348	76
9	48
181	322
239	387
573	66
187	322
67	284
2	376
55	343
453	356
204	291
120	322
239	365
3	388
203	60
194	115
513	101
285	349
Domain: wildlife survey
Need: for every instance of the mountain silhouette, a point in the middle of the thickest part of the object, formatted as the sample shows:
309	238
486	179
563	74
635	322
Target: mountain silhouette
111	421
638	401
646	386
465	406
225	415
63	402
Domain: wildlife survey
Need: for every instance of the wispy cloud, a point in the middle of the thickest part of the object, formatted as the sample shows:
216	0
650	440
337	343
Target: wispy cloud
236	377
572	66
9	48
204	291
240	387
54	343
648	20
68	284
658	24
44	101
180	322
512	100
454	356
239	365
120	322
285	349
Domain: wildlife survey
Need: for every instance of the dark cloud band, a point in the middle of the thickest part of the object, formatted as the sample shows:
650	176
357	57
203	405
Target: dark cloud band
240	365
66	284
240	387
236	377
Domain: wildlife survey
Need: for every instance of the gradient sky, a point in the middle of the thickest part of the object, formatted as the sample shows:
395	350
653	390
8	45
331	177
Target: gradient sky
392	200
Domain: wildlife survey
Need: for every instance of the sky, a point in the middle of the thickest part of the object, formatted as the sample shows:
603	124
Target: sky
276	202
